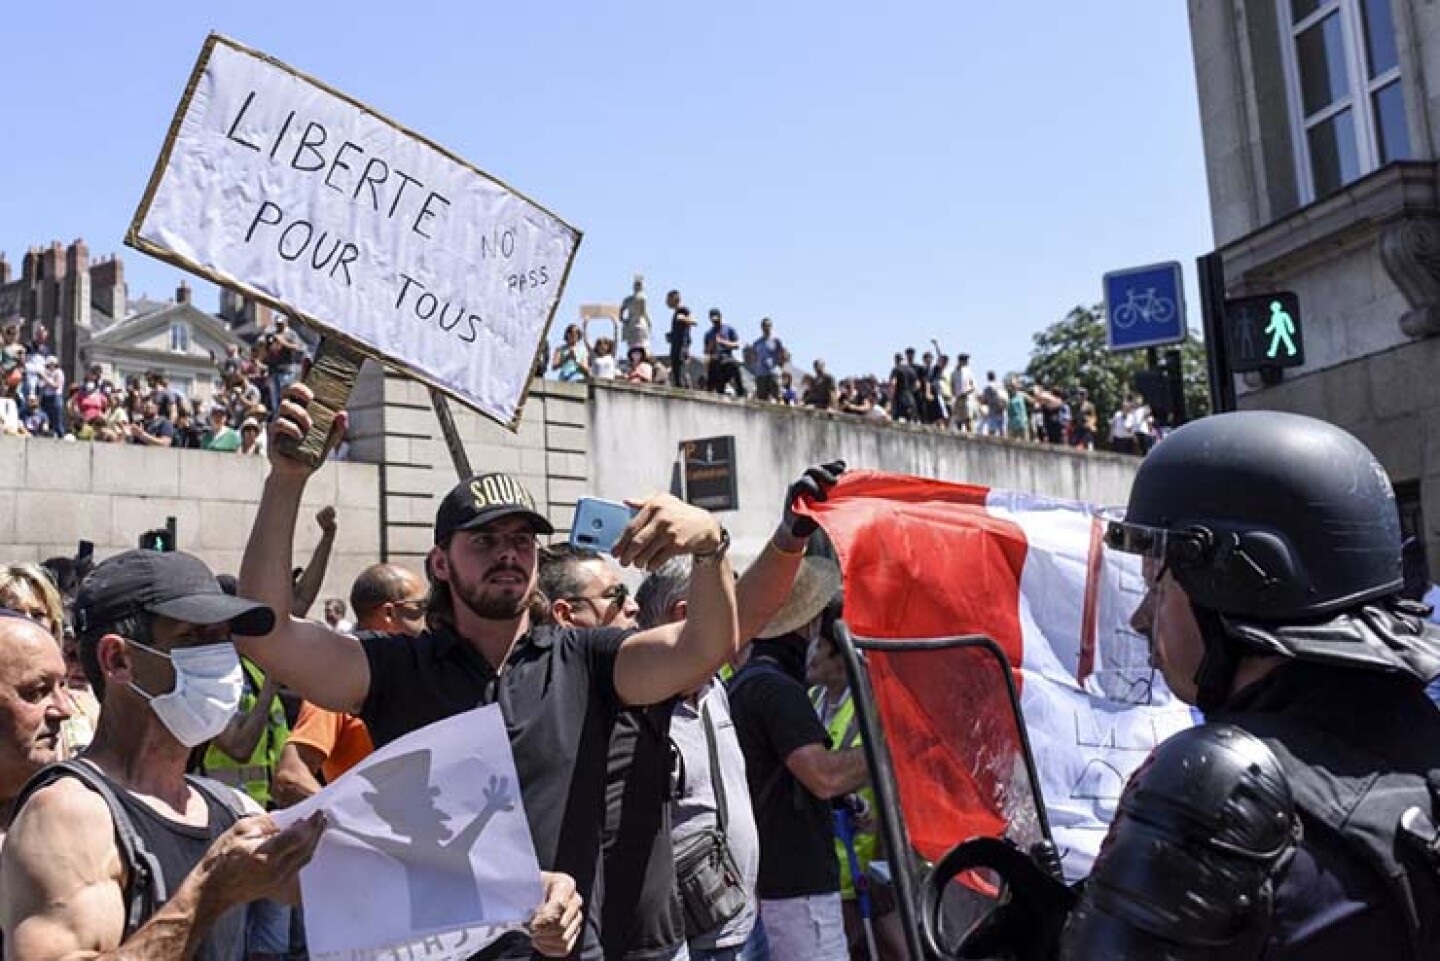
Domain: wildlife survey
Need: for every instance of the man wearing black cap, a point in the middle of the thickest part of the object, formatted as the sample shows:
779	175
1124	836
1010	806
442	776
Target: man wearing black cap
560	688
155	640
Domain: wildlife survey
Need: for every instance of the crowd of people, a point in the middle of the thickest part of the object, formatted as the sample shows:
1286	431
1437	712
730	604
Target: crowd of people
926	390
688	754
35	400
700	822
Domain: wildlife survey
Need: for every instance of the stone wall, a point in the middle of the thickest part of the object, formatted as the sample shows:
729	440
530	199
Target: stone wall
393	423
54	493
616	441
611	441
636	433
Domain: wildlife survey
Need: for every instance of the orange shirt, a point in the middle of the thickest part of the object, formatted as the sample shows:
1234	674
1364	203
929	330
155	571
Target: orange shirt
341	739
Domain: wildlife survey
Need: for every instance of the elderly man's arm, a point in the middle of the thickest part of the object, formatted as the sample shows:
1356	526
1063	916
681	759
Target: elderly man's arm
61	894
321	665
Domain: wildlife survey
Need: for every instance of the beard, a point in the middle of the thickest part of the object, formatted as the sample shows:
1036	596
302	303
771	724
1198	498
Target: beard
489	601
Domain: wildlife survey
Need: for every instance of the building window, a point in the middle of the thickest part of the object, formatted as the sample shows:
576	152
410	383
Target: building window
1347	108
180	338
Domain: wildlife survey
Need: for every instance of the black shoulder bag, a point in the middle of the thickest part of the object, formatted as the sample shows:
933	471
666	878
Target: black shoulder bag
711	890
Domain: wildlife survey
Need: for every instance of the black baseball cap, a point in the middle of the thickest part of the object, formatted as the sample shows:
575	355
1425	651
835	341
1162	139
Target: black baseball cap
171	584
483	499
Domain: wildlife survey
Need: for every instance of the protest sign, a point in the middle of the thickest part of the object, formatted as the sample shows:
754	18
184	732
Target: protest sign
427	855
294	194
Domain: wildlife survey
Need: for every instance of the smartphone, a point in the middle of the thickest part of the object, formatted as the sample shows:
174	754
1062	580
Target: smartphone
598	523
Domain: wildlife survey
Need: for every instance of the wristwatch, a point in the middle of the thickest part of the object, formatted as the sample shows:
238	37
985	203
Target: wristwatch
718	552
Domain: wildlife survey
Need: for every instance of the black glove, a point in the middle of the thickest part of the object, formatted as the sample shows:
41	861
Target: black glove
813	485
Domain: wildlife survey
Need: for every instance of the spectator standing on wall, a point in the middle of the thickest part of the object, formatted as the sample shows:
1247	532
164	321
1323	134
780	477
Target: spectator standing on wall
681	328
1086	421
34	374
52	395
602	364
571	362
284	357
12	358
635	318
903	382
942	391
1017	412
1122	428
91	401
1142	425
995	403
722	369
232	365
822	394
768	352
966	399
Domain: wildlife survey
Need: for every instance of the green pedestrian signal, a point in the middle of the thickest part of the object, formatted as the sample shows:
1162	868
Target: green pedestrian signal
1264	332
1281	329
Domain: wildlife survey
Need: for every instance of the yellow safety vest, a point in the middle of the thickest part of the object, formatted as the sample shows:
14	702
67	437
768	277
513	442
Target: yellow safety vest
257	773
844	730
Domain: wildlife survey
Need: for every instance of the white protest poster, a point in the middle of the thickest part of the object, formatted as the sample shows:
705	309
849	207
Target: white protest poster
292	193
427	855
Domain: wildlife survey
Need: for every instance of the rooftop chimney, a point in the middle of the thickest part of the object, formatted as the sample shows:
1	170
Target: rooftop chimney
182	293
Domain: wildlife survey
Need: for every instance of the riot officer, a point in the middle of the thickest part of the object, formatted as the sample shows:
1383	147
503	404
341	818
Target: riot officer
1299	820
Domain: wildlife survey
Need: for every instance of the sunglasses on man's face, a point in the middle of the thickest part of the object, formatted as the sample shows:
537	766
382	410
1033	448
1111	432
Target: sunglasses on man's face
616	595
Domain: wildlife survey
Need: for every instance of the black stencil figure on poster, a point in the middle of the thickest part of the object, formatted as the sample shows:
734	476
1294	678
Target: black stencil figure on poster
443	889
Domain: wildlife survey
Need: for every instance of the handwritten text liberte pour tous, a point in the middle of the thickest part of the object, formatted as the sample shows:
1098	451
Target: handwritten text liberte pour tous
377	182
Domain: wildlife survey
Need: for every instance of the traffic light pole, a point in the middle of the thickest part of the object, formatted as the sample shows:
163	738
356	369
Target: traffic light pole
1212	309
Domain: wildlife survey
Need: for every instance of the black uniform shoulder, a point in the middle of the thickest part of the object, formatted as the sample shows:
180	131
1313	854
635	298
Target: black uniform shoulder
1205	826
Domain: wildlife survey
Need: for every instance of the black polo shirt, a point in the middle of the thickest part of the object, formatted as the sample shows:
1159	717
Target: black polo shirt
557	693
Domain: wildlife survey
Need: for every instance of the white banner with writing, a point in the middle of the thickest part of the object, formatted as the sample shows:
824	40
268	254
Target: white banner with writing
284	189
427	855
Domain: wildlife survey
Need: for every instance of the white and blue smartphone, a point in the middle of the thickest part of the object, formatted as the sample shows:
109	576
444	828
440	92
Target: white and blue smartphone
598	524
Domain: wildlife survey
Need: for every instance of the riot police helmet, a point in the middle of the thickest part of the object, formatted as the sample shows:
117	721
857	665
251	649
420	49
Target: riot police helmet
1267	516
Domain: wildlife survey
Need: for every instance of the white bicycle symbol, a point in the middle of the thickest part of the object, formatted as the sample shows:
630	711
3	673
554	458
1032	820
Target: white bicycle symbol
1146	307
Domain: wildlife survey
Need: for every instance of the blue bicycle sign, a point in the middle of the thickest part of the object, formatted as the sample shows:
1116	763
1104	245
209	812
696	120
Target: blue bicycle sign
1145	306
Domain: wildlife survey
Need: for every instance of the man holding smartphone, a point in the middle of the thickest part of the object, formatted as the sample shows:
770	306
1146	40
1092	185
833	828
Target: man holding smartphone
559	688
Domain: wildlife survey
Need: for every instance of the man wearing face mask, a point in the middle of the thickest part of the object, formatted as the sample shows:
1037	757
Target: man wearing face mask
793	777
119	854
1300	820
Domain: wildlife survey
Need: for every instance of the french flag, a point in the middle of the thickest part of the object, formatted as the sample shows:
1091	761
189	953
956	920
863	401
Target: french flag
923	559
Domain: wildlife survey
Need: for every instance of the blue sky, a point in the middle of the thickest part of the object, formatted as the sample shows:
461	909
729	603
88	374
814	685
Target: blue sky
868	177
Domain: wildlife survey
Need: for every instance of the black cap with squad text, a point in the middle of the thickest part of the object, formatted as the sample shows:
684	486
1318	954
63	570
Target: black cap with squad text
174	585
483	499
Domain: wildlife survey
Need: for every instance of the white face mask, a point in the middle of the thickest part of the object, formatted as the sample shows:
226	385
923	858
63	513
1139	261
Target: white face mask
208	685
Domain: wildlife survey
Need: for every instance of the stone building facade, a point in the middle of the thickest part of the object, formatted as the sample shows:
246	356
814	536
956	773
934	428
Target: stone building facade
1321	124
85	306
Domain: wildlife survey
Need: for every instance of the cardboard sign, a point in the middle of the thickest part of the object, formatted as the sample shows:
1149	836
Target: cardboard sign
296	195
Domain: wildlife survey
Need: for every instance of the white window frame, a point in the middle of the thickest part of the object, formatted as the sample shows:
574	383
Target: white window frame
179	326
1362	108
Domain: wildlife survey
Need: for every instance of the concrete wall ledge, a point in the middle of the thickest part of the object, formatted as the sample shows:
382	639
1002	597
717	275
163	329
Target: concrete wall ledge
54	493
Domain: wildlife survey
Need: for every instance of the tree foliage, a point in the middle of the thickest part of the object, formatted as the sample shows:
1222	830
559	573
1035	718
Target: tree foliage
1071	353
